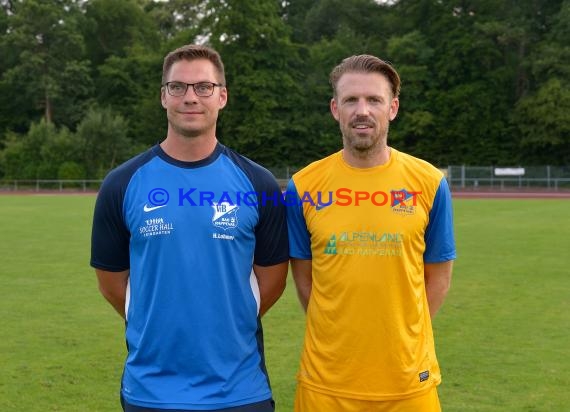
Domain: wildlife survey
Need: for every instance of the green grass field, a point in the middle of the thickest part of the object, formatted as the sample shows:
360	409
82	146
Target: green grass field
503	335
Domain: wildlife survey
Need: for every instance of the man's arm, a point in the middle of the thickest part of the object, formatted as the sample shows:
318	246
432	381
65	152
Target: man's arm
303	276
113	287
271	281
438	280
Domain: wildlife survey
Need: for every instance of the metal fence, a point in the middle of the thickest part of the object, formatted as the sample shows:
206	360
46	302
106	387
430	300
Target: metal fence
501	178
492	178
50	185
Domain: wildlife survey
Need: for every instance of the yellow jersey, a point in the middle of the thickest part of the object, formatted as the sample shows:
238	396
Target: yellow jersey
368	233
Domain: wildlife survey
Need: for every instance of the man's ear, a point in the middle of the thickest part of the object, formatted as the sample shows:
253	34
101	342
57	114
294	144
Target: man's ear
223	97
334	109
163	97
394	106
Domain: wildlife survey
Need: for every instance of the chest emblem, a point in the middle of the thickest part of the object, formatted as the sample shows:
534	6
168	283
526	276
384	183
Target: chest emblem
225	215
404	202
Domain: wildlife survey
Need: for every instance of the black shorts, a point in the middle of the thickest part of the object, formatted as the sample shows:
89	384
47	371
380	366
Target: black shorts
263	406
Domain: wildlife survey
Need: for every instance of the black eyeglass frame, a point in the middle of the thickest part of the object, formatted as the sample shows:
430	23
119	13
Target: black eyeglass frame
194	86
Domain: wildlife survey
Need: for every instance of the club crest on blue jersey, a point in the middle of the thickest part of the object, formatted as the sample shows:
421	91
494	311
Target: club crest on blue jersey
225	215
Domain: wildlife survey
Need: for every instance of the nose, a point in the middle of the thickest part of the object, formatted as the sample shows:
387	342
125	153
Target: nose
362	108
190	96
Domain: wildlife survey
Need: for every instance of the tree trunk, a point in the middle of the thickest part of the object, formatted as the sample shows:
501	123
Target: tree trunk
48	108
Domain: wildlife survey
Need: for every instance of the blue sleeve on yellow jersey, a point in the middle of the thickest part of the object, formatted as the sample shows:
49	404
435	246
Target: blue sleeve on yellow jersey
439	237
299	238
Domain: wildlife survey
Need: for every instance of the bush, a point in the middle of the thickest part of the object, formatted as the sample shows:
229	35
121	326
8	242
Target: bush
71	171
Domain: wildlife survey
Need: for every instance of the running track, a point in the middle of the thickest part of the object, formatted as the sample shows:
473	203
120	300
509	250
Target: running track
509	195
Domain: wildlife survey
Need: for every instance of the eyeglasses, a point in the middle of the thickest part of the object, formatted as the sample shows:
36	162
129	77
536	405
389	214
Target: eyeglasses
202	89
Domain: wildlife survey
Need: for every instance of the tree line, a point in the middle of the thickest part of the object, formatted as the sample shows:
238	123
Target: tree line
484	82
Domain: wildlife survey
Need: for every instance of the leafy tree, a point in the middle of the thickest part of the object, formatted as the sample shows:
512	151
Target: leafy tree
13	161
4	50
104	142
542	115
327	17
112	28
483	81
414	125
70	170
60	148
178	20
49	49
294	15
130	86
319	133
544	123
39	153
464	111
261	75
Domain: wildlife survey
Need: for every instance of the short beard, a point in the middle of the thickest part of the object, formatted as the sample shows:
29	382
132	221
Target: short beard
367	149
365	152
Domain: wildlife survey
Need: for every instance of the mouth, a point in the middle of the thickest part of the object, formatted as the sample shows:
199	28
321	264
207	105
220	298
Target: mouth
362	124
190	115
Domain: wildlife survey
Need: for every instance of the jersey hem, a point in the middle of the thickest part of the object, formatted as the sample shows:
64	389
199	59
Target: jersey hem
108	268
197	406
366	397
443	259
272	262
303	257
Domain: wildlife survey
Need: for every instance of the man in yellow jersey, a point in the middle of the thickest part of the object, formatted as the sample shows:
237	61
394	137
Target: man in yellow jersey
371	245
